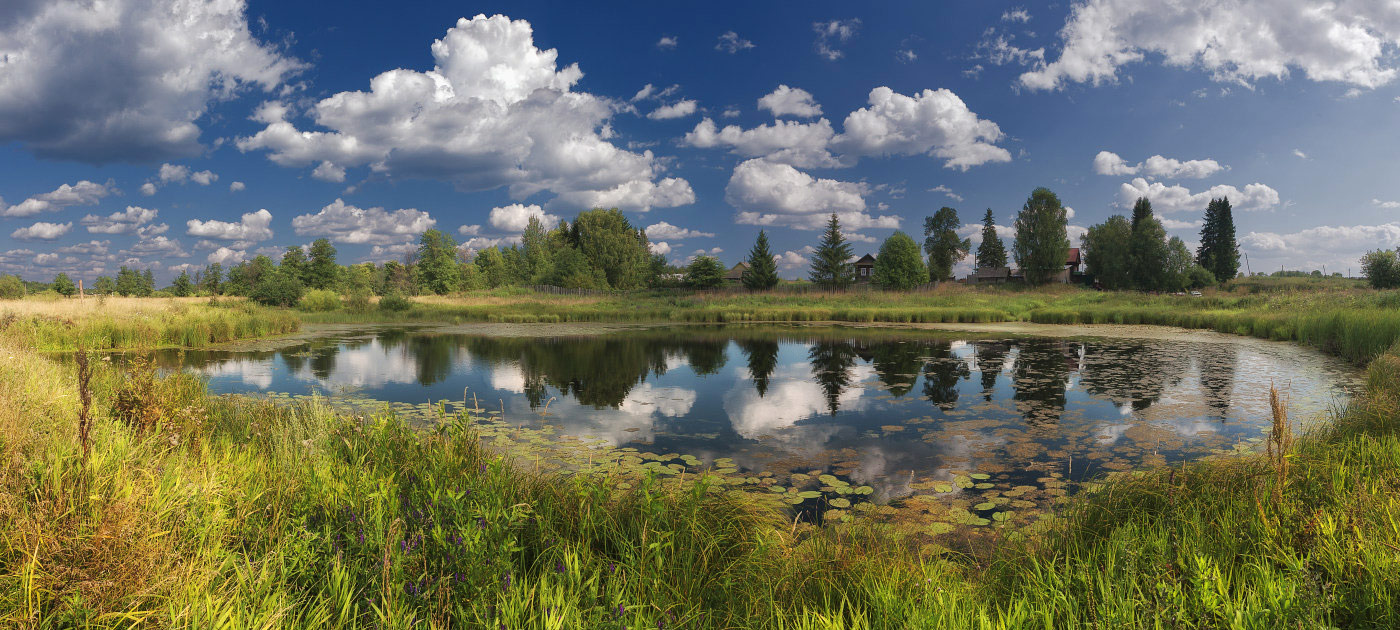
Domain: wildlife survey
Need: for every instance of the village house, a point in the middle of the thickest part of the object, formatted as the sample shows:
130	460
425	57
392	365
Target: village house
994	275
735	275
865	269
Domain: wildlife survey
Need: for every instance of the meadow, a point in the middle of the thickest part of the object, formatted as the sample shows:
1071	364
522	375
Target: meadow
176	508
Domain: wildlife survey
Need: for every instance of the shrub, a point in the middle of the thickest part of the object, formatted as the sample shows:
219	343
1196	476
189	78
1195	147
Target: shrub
1381	268
394	302
279	290
358	302
320	300
11	288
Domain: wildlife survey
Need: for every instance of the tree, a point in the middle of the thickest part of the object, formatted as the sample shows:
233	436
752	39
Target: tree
762	273
534	244
492	266
1108	253
182	287
278	288
64	285
1041	246
610	243
148	283
11	288
294	262
1149	249
705	272
1219	253
321	270
899	265
991	253
1179	265
437	263
831	264
128	281
942	244
1381	268
213	279
573	271
104	285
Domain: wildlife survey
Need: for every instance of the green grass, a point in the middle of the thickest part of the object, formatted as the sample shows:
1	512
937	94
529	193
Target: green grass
182	325
238	513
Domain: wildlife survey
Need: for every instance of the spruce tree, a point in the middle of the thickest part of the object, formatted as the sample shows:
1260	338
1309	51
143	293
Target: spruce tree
1219	253
831	264
762	273
1042	245
1148	246
991	253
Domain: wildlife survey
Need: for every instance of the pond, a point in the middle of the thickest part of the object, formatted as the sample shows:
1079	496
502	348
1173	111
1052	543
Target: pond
1020	413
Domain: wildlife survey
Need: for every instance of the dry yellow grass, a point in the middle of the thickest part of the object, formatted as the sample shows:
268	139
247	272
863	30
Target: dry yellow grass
115	306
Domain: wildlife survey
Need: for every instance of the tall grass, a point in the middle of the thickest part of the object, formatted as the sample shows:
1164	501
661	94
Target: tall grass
122	323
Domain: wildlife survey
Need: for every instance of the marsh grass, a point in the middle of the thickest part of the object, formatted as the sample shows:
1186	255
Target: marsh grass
124	323
231	512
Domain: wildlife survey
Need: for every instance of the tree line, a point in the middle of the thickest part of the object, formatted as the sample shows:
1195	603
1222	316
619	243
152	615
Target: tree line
1135	253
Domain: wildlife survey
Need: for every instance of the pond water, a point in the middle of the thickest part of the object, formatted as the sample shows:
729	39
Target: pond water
897	411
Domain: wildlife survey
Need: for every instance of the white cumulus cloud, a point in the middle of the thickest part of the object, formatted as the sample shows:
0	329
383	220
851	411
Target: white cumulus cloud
42	231
495	111
933	122
666	231
345	223
1178	198
790	101
123	222
768	193
832	34
731	43
679	109
124	80
1109	163
252	227
83	193
514	217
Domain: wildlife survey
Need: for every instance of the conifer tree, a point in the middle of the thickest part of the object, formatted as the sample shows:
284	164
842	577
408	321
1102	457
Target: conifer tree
991	253
831	266
762	273
1219	253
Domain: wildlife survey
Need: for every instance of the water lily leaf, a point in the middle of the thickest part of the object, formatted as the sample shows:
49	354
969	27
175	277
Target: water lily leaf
840	503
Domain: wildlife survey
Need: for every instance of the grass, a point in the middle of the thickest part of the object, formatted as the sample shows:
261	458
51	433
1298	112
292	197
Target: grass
199	511
123	323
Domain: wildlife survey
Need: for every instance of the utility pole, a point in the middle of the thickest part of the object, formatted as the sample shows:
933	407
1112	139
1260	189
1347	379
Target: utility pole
1247	271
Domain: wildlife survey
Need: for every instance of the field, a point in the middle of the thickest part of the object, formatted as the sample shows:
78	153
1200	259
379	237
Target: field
196	511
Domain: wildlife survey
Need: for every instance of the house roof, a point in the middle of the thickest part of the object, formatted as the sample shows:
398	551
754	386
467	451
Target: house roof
866	260
1073	256
737	271
992	272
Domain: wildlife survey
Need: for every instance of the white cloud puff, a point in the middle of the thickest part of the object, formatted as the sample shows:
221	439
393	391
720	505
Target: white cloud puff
1109	163
768	193
1177	198
666	231
252	227
832	34
731	43
785	141
83	193
1240	41
667	42
494	111
123	222
514	217
42	231
226	256
790	101
237	187
124	80
679	109
345	223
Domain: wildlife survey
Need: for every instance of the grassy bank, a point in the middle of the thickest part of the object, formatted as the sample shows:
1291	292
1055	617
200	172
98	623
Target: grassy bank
121	323
224	512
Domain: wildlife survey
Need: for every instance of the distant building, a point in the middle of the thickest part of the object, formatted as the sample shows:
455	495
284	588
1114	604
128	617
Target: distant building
735	275
865	269
1072	272
990	275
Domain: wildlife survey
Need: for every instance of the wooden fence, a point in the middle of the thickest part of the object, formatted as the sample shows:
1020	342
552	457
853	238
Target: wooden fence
800	289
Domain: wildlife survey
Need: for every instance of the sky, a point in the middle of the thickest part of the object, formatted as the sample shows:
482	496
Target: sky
169	134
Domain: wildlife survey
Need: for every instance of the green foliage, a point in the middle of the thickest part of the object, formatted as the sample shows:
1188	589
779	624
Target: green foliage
493	267
396	278
991	252
1107	253
573	271
610	244
63	285
319	301
1149	249
831	266
437	270
213	279
294	262
131	282
182	286
275	288
762	273
104	285
321	270
705	272
1041	247
537	253
1218	252
1180	262
394	303
898	265
942	244
1381	268
472	278
11	288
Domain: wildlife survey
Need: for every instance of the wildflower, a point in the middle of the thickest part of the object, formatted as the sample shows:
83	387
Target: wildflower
559	567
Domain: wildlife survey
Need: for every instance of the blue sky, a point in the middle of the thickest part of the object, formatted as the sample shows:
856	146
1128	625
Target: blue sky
137	133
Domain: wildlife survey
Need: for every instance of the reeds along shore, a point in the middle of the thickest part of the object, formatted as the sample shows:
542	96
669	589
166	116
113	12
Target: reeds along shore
199	511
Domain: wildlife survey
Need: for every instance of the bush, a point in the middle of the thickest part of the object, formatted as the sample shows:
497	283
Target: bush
704	272
394	302
320	300
1381	268
358	302
278	290
11	288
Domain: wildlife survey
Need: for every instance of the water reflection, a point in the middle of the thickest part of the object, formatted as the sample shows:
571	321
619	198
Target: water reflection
884	407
